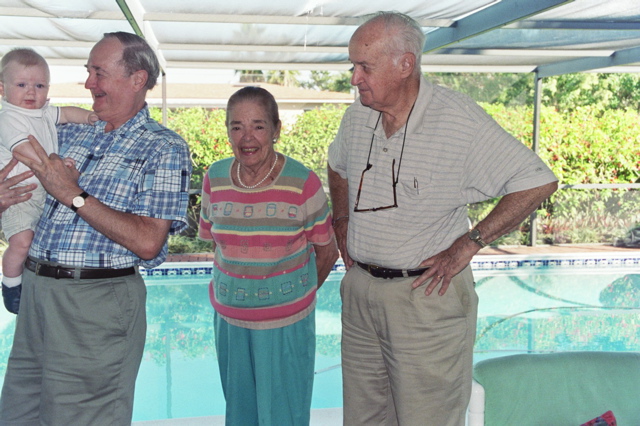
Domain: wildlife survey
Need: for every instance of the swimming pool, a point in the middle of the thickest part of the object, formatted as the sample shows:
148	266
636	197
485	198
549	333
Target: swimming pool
546	303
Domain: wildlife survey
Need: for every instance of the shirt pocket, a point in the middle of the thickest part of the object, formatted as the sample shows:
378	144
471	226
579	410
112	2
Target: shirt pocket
416	187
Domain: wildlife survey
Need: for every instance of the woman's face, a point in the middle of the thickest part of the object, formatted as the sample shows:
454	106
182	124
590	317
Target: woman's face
251	134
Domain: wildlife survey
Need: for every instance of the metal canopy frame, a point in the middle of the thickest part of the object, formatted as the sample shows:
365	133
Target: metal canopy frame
550	37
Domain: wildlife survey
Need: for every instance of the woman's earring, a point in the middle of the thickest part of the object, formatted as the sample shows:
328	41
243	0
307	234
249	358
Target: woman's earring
275	140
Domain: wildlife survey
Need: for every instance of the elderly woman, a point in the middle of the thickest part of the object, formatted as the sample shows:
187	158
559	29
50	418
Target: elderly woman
269	221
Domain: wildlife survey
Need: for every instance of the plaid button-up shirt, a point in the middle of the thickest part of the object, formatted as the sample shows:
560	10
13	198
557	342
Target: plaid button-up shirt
140	168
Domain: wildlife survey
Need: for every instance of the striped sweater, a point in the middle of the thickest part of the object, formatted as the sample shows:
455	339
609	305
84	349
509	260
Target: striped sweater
264	266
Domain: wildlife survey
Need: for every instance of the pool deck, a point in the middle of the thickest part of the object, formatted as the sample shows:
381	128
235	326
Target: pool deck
558	249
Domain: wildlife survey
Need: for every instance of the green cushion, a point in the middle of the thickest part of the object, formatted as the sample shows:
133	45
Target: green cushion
567	388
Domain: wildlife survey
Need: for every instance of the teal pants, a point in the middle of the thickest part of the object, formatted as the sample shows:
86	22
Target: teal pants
267	375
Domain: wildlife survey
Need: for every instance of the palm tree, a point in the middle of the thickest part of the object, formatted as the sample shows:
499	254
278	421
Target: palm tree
251	76
287	78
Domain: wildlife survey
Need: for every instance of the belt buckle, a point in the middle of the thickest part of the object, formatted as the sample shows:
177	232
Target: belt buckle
37	270
376	271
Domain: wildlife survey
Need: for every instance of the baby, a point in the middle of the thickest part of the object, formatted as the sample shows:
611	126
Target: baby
24	86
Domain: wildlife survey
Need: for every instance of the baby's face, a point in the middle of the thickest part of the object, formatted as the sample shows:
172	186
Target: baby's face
25	87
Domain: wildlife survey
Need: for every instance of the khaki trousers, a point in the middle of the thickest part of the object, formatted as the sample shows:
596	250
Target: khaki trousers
407	358
76	352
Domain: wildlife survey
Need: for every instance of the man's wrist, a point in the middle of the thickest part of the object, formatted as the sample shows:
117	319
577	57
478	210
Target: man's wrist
78	201
474	235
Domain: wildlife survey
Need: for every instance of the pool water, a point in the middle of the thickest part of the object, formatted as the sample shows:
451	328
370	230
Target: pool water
538	308
558	310
524	307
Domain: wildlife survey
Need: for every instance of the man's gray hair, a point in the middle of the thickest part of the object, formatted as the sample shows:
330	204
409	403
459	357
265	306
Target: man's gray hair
137	55
408	36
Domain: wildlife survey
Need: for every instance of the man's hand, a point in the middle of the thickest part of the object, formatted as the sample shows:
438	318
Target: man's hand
58	179
446	264
11	194
510	211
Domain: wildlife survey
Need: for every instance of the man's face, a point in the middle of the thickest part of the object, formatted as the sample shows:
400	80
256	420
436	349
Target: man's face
113	91
374	71
25	87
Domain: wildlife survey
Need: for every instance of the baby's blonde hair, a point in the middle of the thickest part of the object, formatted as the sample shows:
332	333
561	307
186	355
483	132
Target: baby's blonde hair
25	57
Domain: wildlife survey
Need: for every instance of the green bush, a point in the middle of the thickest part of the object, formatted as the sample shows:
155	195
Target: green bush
583	146
204	131
182	244
308	139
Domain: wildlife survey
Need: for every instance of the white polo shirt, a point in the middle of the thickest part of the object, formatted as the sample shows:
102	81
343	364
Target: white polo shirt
454	154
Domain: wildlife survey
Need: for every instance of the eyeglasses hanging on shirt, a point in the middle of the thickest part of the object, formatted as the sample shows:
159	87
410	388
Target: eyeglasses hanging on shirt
394	176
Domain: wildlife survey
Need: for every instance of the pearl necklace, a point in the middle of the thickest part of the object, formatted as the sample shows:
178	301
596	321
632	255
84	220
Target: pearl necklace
273	166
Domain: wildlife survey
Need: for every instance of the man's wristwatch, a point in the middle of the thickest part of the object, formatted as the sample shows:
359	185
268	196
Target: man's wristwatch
474	235
78	201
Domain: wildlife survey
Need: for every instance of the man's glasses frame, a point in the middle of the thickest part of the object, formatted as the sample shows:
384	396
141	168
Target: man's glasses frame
394	183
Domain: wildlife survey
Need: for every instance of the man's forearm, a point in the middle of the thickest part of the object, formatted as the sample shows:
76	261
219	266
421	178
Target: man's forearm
144	236
326	257
339	192
512	209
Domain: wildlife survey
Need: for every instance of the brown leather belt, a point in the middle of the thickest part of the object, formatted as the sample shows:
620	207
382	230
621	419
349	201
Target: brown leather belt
58	272
380	272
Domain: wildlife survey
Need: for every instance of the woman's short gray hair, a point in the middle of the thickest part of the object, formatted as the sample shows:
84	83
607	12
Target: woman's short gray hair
137	55
258	95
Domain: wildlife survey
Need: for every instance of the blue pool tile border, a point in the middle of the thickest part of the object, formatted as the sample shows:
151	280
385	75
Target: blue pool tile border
479	263
567	261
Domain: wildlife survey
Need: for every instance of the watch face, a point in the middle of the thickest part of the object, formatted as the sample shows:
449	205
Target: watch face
474	235
78	202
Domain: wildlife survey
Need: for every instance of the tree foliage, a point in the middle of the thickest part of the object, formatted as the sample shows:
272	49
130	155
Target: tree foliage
250	76
329	81
565	93
308	139
286	78
205	132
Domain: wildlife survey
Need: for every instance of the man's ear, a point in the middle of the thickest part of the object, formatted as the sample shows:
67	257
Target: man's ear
1	88
407	64
140	78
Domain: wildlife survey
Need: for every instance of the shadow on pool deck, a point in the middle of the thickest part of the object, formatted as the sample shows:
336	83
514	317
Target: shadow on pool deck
319	417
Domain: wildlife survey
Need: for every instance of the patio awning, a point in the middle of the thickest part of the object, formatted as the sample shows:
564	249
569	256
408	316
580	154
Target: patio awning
547	36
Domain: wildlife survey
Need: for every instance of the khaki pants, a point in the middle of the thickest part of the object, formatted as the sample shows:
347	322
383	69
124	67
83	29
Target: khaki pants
76	352
407	358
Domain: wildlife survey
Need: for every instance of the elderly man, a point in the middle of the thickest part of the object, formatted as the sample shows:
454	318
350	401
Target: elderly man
408	158
81	328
